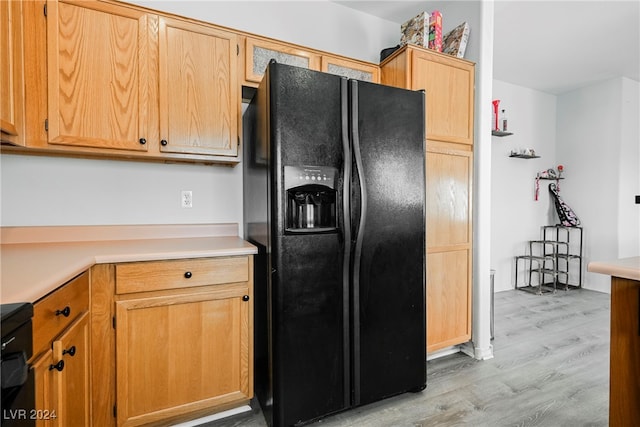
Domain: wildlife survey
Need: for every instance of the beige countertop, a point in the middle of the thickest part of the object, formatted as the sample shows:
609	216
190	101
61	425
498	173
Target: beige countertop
36	260
627	268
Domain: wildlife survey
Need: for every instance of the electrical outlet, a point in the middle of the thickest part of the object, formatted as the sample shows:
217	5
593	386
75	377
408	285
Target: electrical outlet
187	199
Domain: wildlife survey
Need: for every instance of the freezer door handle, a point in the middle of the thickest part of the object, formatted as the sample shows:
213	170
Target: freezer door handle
357	254
346	220
346	186
355	139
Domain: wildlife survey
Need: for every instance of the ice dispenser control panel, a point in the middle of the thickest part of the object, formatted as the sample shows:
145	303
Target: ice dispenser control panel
295	176
311	199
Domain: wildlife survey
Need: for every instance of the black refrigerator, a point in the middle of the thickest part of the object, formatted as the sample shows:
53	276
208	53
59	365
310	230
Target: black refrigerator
334	198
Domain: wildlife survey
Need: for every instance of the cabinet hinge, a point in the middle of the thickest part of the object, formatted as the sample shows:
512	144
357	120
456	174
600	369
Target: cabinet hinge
238	141
46	125
113	321
115	411
237	49
45	10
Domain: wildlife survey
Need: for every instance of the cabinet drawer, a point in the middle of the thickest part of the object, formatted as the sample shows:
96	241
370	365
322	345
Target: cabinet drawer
176	274
53	313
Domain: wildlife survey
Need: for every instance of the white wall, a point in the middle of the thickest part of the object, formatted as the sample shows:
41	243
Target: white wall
56	191
594	133
516	216
629	179
597	132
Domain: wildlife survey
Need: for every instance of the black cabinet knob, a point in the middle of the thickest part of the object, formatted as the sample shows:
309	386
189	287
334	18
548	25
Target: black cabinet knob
143	141
187	275
71	352
58	366
163	142
245	298
66	312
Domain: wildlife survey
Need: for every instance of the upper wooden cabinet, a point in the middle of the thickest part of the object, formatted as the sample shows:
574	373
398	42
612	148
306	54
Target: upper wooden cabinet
98	75
258	53
350	68
449	86
122	81
197	89
105	78
11	73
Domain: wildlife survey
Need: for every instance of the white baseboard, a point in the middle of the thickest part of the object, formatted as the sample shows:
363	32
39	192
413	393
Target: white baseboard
444	352
476	352
214	417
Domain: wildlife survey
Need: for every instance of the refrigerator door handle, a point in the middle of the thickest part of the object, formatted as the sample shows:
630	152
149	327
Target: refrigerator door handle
346	185
355	138
346	219
357	256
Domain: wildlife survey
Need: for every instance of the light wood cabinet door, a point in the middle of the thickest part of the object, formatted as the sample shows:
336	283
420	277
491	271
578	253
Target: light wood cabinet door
11	69
350	68
183	353
98	75
449	86
45	391
259	52
71	383
62	393
449	245
198	91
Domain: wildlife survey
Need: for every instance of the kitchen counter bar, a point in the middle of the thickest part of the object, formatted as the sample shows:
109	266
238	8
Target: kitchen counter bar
626	268
624	366
36	260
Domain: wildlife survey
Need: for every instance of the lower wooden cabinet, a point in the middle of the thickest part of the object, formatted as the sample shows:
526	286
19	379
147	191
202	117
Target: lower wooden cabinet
45	392
72	381
449	244
181	353
62	368
172	339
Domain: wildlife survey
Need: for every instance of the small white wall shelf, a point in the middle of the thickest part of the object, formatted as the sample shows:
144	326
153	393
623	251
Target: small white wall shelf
500	133
524	156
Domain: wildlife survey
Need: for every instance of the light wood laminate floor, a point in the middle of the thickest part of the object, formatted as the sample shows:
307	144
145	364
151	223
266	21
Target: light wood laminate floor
550	368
